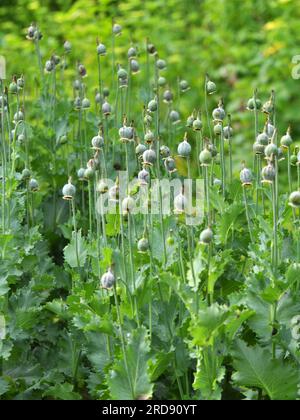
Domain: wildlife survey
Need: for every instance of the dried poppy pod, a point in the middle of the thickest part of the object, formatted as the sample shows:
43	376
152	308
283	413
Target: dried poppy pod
69	191
108	280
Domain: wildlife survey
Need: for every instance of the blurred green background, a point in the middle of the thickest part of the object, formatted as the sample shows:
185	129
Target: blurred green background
241	44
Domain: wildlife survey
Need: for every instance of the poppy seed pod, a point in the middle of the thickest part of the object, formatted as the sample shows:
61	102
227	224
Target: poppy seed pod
97	142
219	113
102	187
268	174
108	280
20	82
268	107
218	129
30	32
269	129
69	191
164	152
77	103
161	64
170	238
3	101
206	236
101	49
105	92
286	141
149	157
210	87
144	177
149	137
294	199
246	177
49	66
190	121
67	47
197	124
82	70
140	149
113	193
258	148
89	173
80	174
162	81
180	204
294	160
77	84
134	66
98	98
170	165
132	52
281	156
26	174
184	85
147	119
217	182
205	157
19	116
33	185
21	138
126	134
143	245
251	104
13	88
263	139
151	49
56	59
86	104
228	132
152	105
184	149
213	149
106	108
117	29
167	96
174	117
271	150
122	74
128	205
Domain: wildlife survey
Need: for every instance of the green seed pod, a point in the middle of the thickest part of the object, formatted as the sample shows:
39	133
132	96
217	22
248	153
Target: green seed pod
164	152
184	85
89	173
140	149
105	92
170	165
86	104
227	132
77	84
149	157
147	119
184	149
132	52
205	157
167	96
122	74
143	245
258	149
33	185
251	104
217	182
269	129
294	199
3	102
144	177
13	88
56	59
149	137
117	29
268	174
213	150
20	82
206	236
30	32
26	174
126	134
134	66
263	139
128	205
19	116
286	141
197	124
152	105
162	81
102	187
170	239
80	174
21	138
97	142
69	191
101	49
161	64
210	87
82	70
106	108
108	280
77	103
151	49
219	113
268	107
294	160
246	177
281	156
67	47
98	98
190	121
218	129
271	150
174	117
